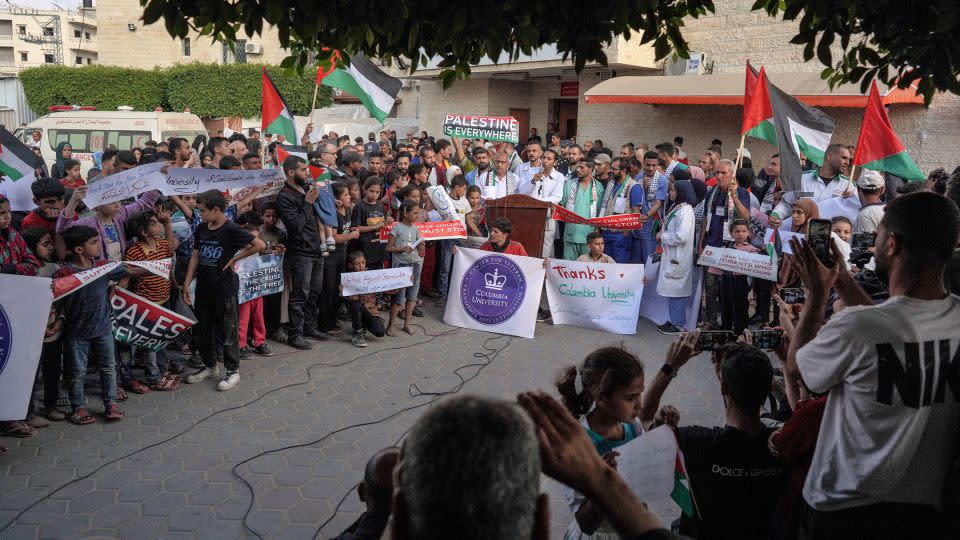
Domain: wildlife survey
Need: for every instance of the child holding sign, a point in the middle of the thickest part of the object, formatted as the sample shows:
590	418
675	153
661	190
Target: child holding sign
734	287
405	243
364	314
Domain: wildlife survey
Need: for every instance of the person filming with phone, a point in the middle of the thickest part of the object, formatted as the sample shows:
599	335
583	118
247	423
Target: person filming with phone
889	435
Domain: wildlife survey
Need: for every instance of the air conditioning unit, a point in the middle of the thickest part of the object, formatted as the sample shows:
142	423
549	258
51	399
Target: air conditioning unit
605	74
411	83
253	48
695	65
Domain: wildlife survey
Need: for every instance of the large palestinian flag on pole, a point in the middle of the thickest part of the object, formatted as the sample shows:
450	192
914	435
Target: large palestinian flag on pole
362	78
276	115
800	129
17	163
757	113
878	147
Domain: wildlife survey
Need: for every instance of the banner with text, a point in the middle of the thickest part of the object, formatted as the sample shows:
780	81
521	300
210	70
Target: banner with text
616	221
757	265
184	181
491	128
374	281
24	313
259	276
142	323
595	295
273	187
494	292
68	284
125	184
432	230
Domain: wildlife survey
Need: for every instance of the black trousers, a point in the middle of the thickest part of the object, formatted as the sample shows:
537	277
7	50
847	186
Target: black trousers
362	319
329	301
51	367
881	521
216	309
306	280
734	306
763	291
272	306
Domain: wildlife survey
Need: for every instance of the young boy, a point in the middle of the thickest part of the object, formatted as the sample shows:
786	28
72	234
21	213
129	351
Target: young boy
218	243
151	231
275	238
109	221
71	179
250	313
841	226
734	306
48	196
86	327
596	254
364	313
368	215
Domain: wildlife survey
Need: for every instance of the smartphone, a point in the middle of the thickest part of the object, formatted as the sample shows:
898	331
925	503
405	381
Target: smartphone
712	340
818	236
793	296
863	241
767	339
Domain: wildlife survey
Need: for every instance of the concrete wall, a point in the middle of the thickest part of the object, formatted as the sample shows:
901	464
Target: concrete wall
470	96
729	37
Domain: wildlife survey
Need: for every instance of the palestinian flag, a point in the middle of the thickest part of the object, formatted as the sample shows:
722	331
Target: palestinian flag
17	163
757	112
326	67
362	78
277	118
320	174
681	493
878	147
800	129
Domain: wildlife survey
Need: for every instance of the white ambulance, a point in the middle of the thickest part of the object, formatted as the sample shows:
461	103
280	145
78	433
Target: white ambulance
92	131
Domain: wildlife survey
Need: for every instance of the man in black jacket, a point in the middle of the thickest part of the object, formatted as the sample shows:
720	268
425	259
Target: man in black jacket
304	248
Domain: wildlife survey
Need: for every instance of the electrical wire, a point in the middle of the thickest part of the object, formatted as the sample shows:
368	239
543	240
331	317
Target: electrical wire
414	391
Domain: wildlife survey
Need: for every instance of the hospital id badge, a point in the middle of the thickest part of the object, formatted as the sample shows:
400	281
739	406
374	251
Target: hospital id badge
619	205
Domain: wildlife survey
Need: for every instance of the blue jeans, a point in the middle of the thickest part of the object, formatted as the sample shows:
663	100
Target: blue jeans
408	294
617	245
678	311
446	265
78	351
643	248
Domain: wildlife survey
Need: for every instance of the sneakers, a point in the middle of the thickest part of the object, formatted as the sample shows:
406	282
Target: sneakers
331	243
543	315
279	336
246	353
113	413
230	379
54	414
359	340
262	350
202	374
669	329
297	342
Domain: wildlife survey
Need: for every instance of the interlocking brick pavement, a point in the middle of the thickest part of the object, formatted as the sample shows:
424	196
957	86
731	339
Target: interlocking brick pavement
165	470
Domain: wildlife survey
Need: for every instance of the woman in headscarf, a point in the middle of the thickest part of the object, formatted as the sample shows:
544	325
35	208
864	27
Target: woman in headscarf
802	212
64	152
675	278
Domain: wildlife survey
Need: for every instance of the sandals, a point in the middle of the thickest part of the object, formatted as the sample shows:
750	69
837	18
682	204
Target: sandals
80	416
113	413
53	413
335	332
121	394
167	383
138	387
19	429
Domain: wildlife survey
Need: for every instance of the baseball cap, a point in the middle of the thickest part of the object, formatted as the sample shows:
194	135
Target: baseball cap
601	158
870	180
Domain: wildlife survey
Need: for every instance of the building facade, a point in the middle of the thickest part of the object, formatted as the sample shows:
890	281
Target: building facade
36	37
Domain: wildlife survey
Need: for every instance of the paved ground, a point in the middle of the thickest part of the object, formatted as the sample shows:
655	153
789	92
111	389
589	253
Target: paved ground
167	470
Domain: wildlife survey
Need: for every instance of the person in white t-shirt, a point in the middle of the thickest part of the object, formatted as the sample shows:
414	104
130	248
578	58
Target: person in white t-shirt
890	430
870	188
546	185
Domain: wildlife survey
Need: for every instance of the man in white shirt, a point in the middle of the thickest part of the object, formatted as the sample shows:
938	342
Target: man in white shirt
821	183
889	433
870	188
527	169
499	182
546	185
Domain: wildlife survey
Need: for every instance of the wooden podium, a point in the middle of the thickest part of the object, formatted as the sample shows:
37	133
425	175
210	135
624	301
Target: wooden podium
528	217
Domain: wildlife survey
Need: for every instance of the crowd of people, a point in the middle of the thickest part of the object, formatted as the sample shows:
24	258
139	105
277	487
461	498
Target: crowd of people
851	442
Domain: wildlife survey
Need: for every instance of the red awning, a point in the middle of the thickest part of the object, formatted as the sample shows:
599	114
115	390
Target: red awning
727	89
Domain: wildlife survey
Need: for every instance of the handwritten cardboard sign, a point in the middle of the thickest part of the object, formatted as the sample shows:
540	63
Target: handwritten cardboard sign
372	281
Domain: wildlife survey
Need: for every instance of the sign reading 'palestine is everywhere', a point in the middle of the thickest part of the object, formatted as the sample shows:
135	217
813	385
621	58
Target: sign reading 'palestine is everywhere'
491	128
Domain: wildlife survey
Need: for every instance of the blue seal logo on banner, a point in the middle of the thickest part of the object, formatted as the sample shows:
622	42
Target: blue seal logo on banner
492	289
6	339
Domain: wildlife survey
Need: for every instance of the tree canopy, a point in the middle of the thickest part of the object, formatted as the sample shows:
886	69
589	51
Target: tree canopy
893	40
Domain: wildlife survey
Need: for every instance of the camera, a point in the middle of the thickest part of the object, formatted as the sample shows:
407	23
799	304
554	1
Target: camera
793	296
714	340
767	339
860	245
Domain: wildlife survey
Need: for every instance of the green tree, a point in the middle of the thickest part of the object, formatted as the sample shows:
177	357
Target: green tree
103	87
894	40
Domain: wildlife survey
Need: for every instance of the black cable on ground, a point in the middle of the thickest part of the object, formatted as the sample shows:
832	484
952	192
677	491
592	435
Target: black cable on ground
431	337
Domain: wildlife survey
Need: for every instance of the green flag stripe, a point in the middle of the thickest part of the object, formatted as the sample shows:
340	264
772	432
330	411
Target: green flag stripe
764	131
899	164
345	81
283	125
11	172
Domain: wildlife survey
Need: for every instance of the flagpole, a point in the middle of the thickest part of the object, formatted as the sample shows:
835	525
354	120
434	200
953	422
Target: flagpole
316	88
743	139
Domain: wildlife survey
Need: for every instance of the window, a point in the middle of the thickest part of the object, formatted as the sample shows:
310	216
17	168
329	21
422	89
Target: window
79	61
240	51
77	34
86	35
48	58
86	141
185	46
48	31
21	29
89	61
23	57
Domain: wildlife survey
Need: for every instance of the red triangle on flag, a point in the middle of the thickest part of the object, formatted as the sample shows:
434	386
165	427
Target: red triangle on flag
327	67
877	139
756	99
